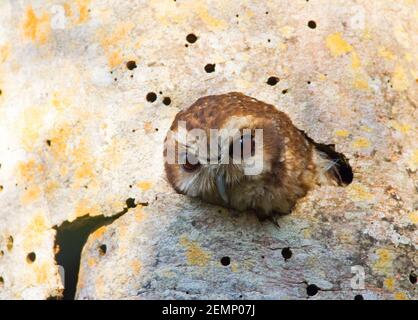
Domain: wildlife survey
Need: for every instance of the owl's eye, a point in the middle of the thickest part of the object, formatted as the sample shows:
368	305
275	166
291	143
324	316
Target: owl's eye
243	147
192	164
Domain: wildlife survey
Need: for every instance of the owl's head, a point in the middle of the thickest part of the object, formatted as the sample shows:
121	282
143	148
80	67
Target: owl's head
220	142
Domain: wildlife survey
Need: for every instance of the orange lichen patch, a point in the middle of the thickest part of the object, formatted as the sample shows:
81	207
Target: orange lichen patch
42	272
136	266
361	143
58	101
30	124
139	213
144	185
194	253
400	80
113	154
83	7
384	261
28	171
51	186
389	283
91	262
30	195
98	234
342	133
114	58
148	128
4	52
358	192
83	208
84	172
400	296
99	285
34	28
35	232
67	9
337	45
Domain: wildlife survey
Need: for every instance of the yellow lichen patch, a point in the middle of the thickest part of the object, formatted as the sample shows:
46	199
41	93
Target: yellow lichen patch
234	267
34	28
59	102
355	61
389	283
135	266
385	53
413	216
361	143
359	192
401	127
194	253
400	296
98	234
29	170
210	21
148	128
384	260
84	208
399	79
342	133
144	185
413	160
35	232
360	82
287	31
91	262
337	45
366	128
67	9
83	7
30	195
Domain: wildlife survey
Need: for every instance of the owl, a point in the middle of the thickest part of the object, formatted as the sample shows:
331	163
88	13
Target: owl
249	134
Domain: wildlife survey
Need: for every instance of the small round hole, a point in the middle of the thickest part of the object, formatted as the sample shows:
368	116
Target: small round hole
48	142
225	261
210	67
272	81
312	290
284	91
312	24
286	253
102	249
191	38
151	97
167	101
358	297
131	65
1	282
31	257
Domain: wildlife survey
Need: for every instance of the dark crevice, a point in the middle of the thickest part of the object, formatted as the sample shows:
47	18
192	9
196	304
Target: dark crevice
341	170
70	240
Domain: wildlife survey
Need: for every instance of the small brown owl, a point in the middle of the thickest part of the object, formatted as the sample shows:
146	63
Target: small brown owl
235	151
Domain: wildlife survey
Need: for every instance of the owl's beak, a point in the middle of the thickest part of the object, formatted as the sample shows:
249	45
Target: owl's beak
221	186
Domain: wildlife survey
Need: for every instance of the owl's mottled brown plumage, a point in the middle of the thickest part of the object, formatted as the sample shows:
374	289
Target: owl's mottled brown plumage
292	162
